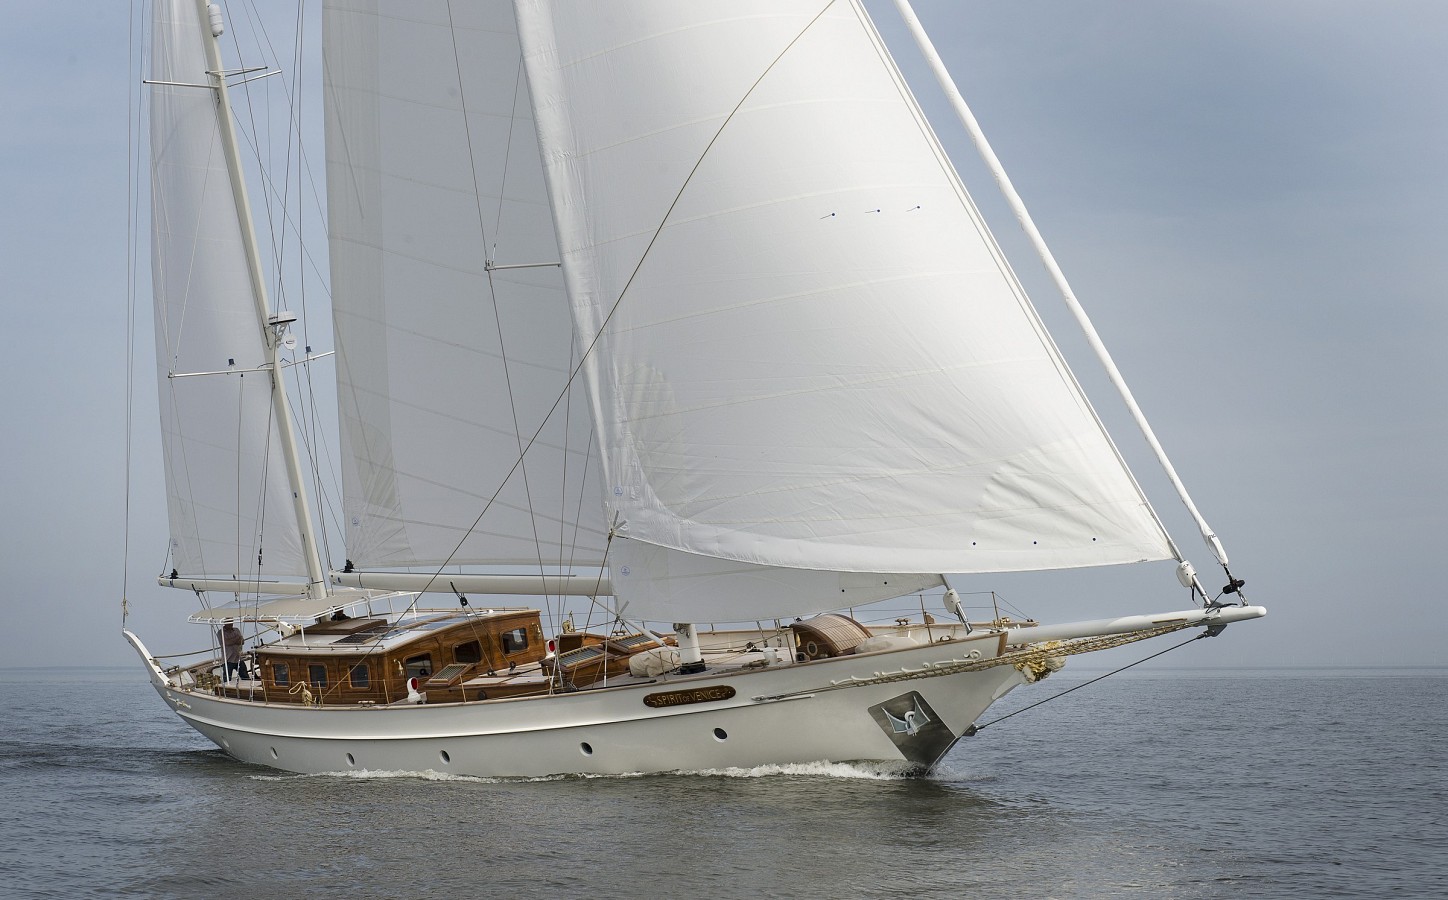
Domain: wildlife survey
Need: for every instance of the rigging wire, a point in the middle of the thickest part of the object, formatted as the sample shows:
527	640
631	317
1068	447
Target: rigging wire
1212	631
623	292
307	413
263	495
237	565
492	286
279	205
256	142
133	205
179	444
572	542
298	95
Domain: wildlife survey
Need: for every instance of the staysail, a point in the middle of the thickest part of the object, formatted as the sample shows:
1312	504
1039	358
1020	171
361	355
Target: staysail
810	353
454	339
228	499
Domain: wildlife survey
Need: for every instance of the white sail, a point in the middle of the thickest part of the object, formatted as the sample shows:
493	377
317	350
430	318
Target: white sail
446	371
226	484
811	354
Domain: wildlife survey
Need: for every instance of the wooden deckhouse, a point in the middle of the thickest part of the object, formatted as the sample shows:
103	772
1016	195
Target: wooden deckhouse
361	660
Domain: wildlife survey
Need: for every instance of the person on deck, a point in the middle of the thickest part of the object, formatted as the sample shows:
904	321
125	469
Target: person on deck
231	643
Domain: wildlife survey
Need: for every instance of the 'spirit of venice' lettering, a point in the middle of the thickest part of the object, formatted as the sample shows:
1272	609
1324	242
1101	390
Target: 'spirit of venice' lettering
697	695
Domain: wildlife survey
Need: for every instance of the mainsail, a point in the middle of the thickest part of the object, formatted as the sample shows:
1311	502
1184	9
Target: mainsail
228	498
809	353
464	441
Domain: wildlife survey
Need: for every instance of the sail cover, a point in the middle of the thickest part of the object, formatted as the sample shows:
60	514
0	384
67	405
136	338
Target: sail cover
449	370
228	501
809	351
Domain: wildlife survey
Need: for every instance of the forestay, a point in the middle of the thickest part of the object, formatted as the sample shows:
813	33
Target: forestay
226	484
810	352
447	370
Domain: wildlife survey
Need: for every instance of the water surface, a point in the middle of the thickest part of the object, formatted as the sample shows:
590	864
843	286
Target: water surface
1156	783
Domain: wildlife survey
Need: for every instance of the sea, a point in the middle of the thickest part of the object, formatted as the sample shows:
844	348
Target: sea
1152	783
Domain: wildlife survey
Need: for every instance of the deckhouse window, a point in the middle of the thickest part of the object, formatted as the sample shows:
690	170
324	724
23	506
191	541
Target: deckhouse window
418	666
470	652
514	641
360	676
280	675
317	675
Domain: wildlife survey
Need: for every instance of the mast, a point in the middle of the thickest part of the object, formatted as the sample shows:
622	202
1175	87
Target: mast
967	118
273	327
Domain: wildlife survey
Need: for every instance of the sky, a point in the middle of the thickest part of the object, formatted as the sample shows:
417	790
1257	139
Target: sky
1248	197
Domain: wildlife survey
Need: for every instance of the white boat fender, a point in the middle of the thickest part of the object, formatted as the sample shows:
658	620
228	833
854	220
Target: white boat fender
878	642
653	662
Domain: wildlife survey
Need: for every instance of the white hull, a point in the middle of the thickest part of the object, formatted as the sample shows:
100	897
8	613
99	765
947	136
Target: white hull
826	710
612	731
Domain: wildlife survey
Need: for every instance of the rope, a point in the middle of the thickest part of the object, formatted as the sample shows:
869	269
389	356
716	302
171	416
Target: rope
133	102
306	691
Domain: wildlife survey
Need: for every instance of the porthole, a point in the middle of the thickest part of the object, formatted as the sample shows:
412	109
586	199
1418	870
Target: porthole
274	752
350	760
720	734
442	755
587	748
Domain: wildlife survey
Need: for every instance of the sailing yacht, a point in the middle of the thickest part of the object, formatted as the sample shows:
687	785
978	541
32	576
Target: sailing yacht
676	312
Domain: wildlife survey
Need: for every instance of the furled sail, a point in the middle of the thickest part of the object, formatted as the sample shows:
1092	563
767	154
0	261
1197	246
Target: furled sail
227	496
810	352
449	368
